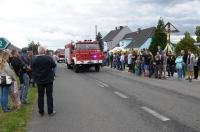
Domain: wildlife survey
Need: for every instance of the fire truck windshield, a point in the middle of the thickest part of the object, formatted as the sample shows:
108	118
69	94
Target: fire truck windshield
87	46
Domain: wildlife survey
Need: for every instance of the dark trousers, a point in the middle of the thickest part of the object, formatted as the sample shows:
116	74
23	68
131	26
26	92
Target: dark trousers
41	91
158	71
196	70
129	67
133	67
170	70
151	70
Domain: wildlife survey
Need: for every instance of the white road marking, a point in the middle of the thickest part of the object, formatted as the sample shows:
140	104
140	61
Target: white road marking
102	83
157	115
121	95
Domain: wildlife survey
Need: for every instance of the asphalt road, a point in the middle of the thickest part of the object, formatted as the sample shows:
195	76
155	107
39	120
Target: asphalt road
115	101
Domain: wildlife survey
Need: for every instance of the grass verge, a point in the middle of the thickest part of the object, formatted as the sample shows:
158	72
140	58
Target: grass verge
17	120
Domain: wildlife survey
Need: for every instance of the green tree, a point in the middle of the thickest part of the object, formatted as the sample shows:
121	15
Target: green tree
159	38
100	41
186	43
198	33
32	46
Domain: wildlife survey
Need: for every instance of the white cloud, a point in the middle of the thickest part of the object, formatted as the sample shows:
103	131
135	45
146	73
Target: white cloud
54	23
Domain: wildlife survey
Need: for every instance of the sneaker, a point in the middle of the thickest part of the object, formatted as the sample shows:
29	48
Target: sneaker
6	111
24	102
53	113
41	114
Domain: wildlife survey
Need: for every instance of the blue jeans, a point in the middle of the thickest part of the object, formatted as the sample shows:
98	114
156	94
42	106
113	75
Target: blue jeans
24	88
122	65
142	67
4	97
137	71
179	72
118	65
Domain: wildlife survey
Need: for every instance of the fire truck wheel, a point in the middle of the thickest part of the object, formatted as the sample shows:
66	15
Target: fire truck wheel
97	68
68	66
76	68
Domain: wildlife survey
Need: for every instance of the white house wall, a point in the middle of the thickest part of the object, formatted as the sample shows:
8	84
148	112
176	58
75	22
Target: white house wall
120	36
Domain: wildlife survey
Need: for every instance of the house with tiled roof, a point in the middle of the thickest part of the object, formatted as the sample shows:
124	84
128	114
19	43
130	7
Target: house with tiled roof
113	38
139	39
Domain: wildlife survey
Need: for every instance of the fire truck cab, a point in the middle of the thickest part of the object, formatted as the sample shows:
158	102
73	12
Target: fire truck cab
83	55
60	55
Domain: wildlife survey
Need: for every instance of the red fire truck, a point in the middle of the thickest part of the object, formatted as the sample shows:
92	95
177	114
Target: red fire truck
83	55
60	55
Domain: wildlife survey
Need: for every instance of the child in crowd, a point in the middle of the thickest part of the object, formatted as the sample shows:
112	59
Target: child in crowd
15	100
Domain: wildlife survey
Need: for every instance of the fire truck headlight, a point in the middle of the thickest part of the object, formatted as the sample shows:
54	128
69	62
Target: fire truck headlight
79	62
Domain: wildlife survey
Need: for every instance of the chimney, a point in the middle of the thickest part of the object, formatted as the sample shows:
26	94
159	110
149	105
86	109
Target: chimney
139	30
120	27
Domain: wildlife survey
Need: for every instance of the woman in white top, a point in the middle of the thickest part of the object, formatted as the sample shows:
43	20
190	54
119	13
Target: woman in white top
122	60
5	71
129	61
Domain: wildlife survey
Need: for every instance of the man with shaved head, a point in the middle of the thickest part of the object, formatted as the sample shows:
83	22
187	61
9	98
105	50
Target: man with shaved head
42	68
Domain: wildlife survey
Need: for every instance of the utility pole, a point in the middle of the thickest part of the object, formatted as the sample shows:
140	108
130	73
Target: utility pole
95	31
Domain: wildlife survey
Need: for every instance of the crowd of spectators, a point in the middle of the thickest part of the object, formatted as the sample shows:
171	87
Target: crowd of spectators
17	66
163	65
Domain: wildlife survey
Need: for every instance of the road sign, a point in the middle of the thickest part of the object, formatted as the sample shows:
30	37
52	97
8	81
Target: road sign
4	43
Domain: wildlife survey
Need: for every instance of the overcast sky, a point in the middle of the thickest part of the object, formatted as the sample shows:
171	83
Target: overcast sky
55	22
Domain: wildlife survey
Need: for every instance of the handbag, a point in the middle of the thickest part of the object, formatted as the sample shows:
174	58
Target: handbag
5	80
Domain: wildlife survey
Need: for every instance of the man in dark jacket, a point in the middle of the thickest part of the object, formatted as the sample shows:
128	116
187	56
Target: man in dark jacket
42	70
21	69
171	64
